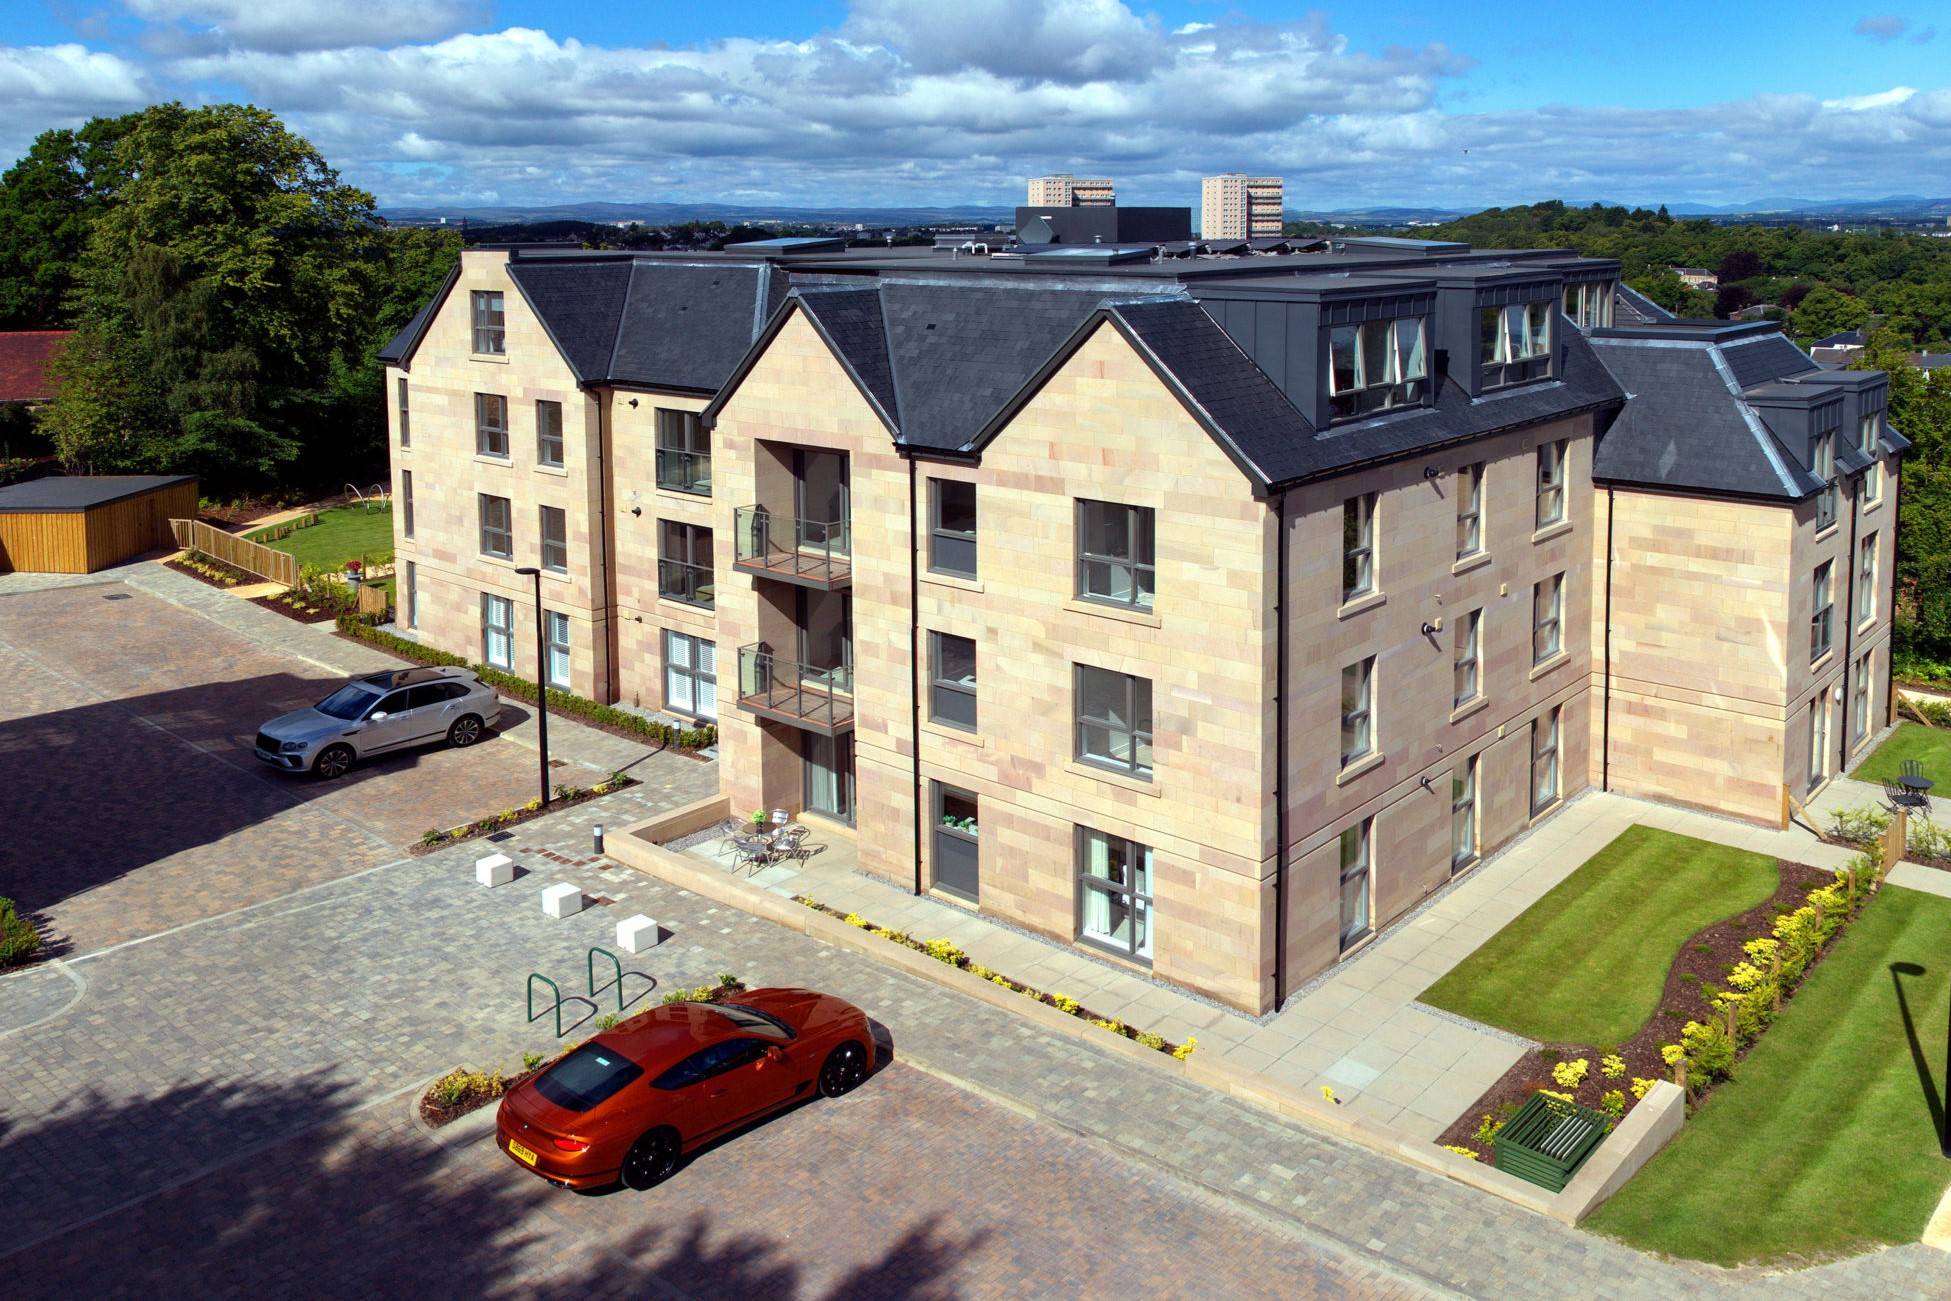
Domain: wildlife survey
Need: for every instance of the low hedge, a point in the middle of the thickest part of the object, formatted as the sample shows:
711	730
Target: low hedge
360	628
19	941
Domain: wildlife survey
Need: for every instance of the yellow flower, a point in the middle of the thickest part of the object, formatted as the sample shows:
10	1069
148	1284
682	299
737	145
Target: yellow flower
1570	1074
1612	1066
1329	1094
1641	1087
1186	1049
1460	1151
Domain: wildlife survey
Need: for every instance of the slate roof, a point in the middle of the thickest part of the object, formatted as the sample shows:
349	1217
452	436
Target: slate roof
1768	357
24	358
1685	426
399	350
580	304
79	492
1631	307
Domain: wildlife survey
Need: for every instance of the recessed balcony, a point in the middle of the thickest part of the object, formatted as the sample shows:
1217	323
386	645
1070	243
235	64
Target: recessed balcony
811	553
806	696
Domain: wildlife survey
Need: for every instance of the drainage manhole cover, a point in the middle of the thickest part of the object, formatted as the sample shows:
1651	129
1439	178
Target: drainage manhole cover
115	596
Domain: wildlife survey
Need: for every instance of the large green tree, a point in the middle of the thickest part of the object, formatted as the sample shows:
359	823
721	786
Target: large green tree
224	288
48	201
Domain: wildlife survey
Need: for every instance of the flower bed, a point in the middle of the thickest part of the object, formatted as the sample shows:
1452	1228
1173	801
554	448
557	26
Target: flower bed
1721	994
565	795
210	570
1861	828
617	722
945	952
461	1090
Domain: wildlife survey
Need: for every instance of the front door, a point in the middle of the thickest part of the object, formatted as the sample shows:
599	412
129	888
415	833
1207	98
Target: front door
829	765
958	861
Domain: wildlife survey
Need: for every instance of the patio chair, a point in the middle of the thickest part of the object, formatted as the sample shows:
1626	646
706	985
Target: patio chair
1894	792
789	842
1913	767
750	849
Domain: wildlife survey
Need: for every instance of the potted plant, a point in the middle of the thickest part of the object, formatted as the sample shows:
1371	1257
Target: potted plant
758	817
353	570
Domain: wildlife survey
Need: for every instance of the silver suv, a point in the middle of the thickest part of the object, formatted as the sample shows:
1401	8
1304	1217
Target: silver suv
378	713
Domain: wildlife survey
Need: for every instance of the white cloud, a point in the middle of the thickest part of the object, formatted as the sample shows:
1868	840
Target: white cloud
1883	28
1881	99
288	25
43	86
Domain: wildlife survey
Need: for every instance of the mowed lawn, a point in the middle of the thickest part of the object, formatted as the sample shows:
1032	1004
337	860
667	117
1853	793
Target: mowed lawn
1587	963
1825	1141
341	534
1928	745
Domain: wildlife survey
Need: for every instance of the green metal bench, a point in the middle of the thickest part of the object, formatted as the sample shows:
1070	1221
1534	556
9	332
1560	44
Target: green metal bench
1548	1140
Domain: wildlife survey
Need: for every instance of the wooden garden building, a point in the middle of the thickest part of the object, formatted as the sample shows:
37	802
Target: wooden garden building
78	524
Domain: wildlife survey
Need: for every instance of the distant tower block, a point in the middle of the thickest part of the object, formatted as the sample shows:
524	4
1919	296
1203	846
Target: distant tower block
1238	206
1067	191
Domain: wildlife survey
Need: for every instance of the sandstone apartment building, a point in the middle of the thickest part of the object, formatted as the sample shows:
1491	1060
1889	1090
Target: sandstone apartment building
1066	191
1238	206
1206	613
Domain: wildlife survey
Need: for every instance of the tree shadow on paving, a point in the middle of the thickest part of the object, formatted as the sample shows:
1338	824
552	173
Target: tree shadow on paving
349	1206
96	792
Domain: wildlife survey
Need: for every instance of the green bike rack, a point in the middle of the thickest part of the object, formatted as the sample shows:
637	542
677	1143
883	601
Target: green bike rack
616	962
534	1015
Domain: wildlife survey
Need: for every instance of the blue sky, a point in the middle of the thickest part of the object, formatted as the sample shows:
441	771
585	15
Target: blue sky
954	101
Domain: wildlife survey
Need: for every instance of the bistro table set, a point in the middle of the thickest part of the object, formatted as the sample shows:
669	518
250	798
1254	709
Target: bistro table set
772	841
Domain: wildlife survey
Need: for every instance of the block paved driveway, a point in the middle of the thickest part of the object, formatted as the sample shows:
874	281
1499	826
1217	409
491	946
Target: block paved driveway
133	803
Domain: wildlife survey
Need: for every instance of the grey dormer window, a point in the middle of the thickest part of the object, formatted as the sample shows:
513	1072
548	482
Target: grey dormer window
1357	546
1589	305
490	325
1377	365
1868	434
1516	343
1824	464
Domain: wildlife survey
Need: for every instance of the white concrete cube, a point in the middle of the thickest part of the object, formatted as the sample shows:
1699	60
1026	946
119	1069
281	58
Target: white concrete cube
494	870
562	900
635	934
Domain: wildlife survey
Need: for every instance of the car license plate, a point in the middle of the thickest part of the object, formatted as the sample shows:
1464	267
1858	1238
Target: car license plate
520	1153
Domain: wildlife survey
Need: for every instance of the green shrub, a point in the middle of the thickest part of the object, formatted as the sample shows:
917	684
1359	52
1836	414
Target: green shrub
461	1085
531	1060
1860	824
360	628
19	941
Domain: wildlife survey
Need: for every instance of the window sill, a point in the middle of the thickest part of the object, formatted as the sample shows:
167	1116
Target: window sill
1123	957
1120	613
1136	785
1475	560
1361	767
1550	531
505	562
1544	811
1820	664
956	581
1556	661
1361	605
1475	705
557	575
559	471
693	608
489	458
493	358
1867	507
945	732
1864	628
1356	945
1828	530
682	494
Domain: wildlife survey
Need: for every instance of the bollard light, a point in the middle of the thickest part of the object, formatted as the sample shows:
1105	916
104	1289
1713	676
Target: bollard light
597	838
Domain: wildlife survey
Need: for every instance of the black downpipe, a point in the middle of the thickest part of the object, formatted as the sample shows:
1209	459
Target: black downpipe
612	635
1849	632
914	662
1890	608
1605	701
1280	753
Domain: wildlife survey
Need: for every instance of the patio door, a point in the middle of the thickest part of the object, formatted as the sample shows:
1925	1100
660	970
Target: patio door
821	499
958	861
826	639
829	775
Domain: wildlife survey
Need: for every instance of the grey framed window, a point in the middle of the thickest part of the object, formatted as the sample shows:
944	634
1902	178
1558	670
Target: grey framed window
690	676
1357	873
1114	720
556	633
1114	894
555	540
1116	553
490	325
1589	305
956	842
406	503
685	564
1357	711
1860	707
1551	483
548	433
1515	343
1357	546
1544	760
1547	618
406	416
1868	433
1463	814
683	452
491	424
410	606
952	527
952	680
497	527
1470	510
1465	679
1377	365
497	631
1824	466
1866	579
1823	612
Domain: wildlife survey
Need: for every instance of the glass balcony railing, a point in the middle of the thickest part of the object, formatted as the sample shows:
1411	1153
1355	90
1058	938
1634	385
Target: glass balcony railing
814	552
813	696
684	471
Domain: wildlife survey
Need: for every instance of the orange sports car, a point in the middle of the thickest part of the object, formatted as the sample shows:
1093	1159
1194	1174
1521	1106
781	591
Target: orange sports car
626	1106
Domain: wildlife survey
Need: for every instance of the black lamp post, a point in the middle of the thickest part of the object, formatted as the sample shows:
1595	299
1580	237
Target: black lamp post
541	680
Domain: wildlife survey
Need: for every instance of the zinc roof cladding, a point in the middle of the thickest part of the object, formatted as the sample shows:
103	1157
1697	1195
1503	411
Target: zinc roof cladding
80	492
1685	425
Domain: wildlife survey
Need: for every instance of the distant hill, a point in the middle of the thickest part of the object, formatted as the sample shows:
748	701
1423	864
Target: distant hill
671	214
